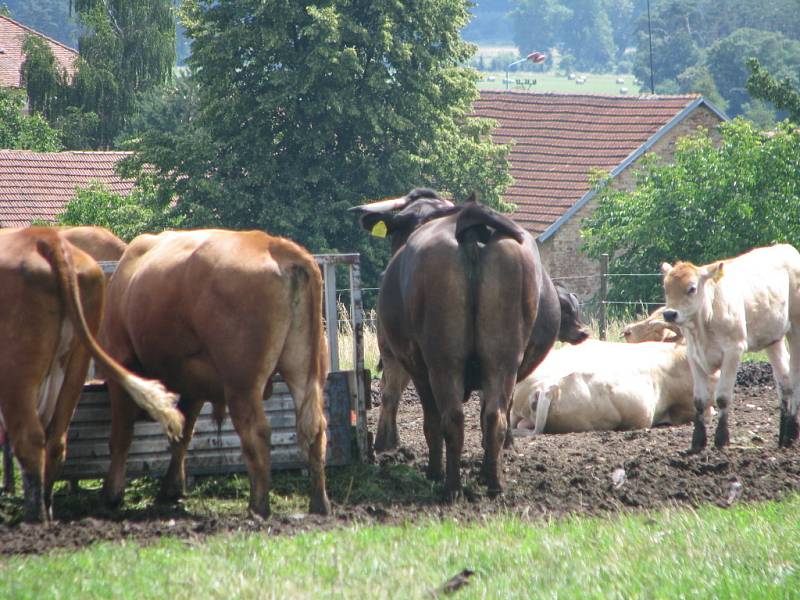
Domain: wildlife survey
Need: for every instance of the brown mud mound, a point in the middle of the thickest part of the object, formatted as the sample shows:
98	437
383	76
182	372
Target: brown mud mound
551	475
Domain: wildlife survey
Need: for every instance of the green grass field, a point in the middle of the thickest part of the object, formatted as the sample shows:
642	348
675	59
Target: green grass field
742	552
550	82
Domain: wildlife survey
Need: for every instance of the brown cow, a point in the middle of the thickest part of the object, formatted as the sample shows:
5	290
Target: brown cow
51	295
464	305
214	314
97	242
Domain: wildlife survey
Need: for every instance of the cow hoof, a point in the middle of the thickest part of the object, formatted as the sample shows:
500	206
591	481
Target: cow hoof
721	438
699	440
789	432
434	474
170	494
320	506
453	496
385	442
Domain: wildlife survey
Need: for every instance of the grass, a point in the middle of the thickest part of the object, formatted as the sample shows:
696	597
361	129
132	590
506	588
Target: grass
551	82
750	551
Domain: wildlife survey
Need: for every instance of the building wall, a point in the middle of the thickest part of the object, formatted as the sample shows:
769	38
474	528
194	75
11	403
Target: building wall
561	252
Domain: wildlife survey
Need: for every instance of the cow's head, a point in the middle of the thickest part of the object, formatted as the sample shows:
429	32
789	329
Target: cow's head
397	218
685	289
652	329
571	330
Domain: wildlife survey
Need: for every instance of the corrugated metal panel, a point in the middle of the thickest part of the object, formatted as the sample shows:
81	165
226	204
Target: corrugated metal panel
211	451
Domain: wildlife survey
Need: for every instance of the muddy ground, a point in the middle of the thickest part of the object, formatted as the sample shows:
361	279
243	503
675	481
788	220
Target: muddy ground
547	476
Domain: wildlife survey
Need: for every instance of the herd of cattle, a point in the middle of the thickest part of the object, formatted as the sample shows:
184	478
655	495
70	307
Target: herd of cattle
464	305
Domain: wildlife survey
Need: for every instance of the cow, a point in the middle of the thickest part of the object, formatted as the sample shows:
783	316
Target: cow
395	378
652	329
723	309
52	295
214	314
97	242
605	386
464	305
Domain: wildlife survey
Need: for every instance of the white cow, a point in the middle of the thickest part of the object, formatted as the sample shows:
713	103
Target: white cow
751	304
652	329
600	386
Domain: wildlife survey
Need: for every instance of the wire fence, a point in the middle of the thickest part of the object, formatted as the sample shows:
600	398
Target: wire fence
595	305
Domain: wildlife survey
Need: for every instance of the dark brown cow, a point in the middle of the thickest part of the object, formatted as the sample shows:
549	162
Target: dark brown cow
51	295
464	305
214	314
395	379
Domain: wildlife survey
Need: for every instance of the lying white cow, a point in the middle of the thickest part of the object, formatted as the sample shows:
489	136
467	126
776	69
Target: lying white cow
600	386
751	304
652	329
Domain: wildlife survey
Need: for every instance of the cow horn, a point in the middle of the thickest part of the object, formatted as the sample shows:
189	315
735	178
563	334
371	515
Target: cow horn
382	205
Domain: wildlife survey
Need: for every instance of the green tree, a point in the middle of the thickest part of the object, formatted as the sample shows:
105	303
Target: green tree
44	83
712	202
304	110
581	28
784	94
727	58
127	216
24	132
126	48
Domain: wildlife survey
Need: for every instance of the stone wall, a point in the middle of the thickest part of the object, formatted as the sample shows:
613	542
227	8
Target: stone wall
561	252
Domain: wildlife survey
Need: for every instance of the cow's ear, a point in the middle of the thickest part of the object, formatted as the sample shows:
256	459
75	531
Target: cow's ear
716	272
377	223
666	268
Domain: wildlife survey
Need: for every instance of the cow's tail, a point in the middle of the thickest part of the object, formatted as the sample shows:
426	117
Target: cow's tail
473	228
148	394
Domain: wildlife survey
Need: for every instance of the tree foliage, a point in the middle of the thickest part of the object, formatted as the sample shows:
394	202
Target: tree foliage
784	93
713	202
303	110
45	83
24	132
127	216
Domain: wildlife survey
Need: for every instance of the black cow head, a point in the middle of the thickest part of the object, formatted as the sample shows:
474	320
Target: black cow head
397	218
572	330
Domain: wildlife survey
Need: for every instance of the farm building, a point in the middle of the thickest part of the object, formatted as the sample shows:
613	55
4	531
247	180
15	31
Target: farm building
558	140
36	186
12	38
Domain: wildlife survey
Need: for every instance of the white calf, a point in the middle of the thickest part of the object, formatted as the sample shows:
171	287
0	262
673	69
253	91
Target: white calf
750	305
652	329
601	386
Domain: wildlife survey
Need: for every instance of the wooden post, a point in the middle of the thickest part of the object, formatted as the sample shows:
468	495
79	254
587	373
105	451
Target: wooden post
8	468
603	294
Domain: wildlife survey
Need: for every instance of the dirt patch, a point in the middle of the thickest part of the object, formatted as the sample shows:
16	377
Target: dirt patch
549	475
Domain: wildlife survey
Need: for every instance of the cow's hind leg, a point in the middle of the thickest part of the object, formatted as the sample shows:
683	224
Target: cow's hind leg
448	391
312	433
173	484
56	435
247	414
28	444
496	398
790	400
432	428
395	380
123	415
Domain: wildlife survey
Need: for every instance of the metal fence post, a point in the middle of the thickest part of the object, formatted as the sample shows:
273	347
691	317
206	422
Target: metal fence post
603	294
357	316
331	314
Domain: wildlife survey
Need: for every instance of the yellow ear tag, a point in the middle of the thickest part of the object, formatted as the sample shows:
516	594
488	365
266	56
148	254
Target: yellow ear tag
718	274
379	230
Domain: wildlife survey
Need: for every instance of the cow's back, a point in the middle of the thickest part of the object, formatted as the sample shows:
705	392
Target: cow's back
190	307
762	289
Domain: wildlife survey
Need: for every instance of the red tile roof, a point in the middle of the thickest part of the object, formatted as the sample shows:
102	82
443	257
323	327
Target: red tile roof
38	185
560	138
12	38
